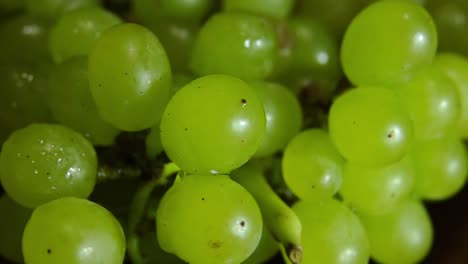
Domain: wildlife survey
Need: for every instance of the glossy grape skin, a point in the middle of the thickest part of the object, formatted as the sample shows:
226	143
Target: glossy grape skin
441	168
456	68
24	38
368	125
12	223
403	236
71	103
75	231
208	219
53	9
312	167
76	32
314	55
279	9
451	22
43	162
130	77
247	52
331	233
283	116
378	190
20	101
386	42
213	125
433	103
192	11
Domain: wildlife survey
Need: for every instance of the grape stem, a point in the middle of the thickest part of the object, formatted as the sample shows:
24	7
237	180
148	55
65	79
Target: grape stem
294	253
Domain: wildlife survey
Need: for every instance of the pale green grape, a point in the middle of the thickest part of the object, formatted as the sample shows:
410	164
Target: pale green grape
247	52
12	223
433	103
53	9
72	105
73	231
266	249
271	8
331	233
130	77
153	142
378	190
283	116
369	125
387	41
208	219
43	162
441	167
312	167
213	125
456	68
403	236
76	32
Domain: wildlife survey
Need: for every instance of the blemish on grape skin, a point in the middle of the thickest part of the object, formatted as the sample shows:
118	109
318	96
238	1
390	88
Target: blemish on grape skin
390	135
49	251
215	244
244	102
203	198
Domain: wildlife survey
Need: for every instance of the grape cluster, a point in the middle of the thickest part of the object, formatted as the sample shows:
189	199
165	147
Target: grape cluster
229	131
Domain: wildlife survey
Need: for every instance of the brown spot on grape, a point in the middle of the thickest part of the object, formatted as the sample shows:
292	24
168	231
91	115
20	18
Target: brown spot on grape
390	135
49	251
242	223
203	198
186	129
215	244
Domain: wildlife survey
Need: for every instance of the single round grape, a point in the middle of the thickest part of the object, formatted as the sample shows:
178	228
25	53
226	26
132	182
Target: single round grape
43	162
312	167
75	231
213	125
12	223
53	9
130	77
76	32
71	103
283	116
331	233
368	125
433	103
208	219
387	41
456	68
247	52
378	190
403	236
279	9
441	168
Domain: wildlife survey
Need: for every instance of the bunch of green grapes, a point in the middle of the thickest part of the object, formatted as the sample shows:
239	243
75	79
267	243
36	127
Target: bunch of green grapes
230	131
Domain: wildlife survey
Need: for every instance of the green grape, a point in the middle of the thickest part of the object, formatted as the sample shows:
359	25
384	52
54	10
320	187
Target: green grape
153	142
12	223
130	77
266	249
283	116
387	41
450	19
378	190
312	167
177	39
368	125
456	68
334	14
24	38
74	231
272	8
403	236
72	105
43	162
331	233
247	52
441	168
53	9
213	125
208	219
150	11
76	32
314	55
20	101
433	103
